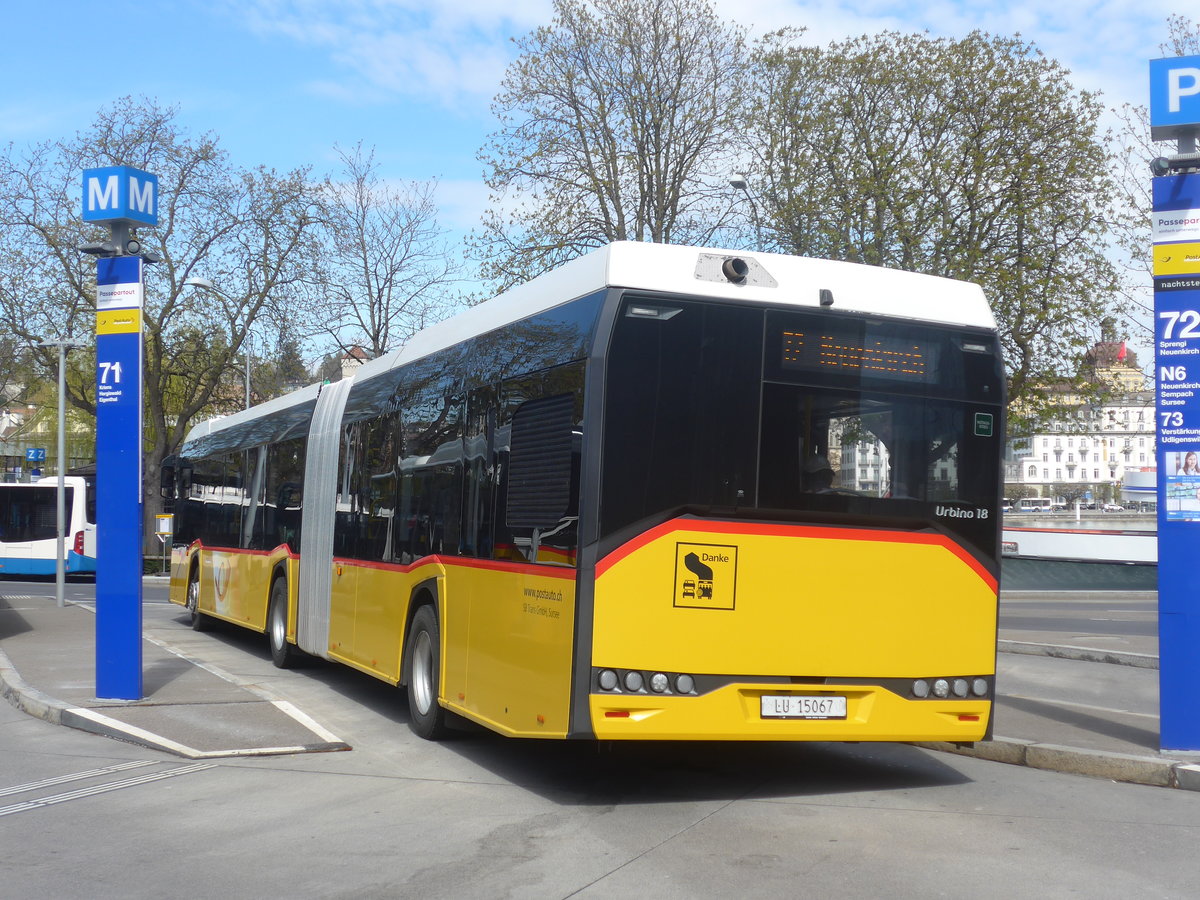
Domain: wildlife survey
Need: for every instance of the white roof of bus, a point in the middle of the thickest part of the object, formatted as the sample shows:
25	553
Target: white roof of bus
672	268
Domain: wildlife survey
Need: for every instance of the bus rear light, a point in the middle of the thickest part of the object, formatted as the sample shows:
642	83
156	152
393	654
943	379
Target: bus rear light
956	687
968	718
633	681
79	542
616	714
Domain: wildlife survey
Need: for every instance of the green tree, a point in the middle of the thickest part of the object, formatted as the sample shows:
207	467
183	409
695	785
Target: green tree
248	231
618	121
972	159
1069	491
282	370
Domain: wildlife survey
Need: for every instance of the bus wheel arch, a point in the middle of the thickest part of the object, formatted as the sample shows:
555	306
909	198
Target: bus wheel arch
422	668
198	620
284	654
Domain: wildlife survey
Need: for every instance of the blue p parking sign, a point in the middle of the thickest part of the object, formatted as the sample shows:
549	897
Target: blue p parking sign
1174	97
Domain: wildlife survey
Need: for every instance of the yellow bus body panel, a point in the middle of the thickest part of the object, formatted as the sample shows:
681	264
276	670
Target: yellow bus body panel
235	585
519	645
793	602
733	713
342	594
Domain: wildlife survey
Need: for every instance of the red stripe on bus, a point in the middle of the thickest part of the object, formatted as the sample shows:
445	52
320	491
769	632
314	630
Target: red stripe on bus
810	531
200	545
463	562
433	559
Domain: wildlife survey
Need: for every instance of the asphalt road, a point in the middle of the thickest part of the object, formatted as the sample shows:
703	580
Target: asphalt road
480	816
484	817
1121	614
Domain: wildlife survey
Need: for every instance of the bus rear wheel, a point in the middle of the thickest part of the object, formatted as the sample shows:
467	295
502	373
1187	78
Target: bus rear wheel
283	654
197	619
423	659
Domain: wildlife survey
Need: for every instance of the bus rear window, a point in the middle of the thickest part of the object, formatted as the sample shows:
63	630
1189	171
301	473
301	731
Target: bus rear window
30	513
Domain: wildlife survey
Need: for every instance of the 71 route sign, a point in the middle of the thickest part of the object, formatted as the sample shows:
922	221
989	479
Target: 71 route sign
119	477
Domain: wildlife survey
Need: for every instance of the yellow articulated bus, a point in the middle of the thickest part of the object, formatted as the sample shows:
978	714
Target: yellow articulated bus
661	492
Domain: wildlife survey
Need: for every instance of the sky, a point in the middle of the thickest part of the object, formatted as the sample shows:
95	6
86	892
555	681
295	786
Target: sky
282	82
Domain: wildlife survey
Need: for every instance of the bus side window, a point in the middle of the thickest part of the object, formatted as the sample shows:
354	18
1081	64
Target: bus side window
285	487
537	457
539	464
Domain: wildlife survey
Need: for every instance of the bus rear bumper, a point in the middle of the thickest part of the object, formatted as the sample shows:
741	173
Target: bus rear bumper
735	712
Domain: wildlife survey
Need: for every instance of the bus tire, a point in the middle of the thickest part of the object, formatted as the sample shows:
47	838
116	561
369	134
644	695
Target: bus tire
197	619
283	654
423	660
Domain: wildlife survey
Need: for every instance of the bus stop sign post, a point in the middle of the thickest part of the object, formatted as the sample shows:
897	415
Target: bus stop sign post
123	198
1175	115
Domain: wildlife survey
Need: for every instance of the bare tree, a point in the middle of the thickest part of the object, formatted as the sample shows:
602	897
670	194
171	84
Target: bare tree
246	231
619	121
385	263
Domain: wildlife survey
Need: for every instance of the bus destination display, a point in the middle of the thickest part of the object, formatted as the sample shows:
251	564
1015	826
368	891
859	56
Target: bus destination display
895	358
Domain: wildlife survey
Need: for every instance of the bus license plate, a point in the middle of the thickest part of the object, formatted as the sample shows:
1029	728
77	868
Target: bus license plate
792	706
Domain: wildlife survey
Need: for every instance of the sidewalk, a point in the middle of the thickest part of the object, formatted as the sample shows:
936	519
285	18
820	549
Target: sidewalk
1085	707
47	669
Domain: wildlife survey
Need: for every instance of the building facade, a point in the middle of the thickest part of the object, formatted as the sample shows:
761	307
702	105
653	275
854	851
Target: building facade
1094	448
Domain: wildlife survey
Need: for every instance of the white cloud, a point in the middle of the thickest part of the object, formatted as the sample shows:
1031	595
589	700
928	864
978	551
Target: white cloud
455	51
1105	45
461	203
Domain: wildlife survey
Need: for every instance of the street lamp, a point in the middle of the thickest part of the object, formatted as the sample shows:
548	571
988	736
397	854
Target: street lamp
197	281
63	346
738	182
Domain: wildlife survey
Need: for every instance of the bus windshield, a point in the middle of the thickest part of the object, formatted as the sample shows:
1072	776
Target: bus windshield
799	416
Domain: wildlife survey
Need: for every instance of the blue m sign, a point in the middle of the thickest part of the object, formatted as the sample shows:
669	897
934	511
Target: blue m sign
120	194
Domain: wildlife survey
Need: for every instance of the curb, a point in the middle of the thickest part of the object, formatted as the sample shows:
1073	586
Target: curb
35	703
25	698
1084	654
1127	768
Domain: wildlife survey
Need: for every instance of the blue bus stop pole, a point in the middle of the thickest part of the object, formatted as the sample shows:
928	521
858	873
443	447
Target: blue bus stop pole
119	483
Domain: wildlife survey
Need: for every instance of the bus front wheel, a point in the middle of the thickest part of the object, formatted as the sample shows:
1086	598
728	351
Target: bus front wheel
198	620
283	654
424	656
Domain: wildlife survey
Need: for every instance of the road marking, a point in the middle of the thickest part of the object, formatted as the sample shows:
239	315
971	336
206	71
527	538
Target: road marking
76	776
1107	709
53	799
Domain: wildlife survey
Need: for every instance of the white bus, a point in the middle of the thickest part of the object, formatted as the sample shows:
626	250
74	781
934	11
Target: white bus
28	532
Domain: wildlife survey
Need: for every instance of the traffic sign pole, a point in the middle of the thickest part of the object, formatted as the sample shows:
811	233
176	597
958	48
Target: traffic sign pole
119	486
122	198
1175	115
